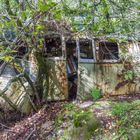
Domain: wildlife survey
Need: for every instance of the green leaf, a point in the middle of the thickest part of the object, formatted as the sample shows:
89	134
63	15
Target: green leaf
95	93
39	27
46	6
7	58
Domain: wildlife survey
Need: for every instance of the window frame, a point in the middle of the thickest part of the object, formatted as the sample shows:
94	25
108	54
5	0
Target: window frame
108	60
86	60
63	49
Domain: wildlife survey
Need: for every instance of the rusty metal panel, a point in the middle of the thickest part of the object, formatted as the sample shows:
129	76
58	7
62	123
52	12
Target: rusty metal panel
105	77
58	84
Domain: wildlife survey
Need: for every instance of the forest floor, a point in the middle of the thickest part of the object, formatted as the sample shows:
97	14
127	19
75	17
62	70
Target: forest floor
118	118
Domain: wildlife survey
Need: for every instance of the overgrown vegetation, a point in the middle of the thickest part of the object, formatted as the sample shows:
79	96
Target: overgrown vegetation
79	123
128	115
95	93
74	121
24	23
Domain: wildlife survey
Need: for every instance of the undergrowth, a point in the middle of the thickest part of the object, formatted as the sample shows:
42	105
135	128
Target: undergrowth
128	115
76	122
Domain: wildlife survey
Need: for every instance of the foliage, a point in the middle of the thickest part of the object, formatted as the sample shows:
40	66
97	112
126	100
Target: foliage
95	93
128	115
115	18
77	115
69	106
76	123
129	75
80	118
66	114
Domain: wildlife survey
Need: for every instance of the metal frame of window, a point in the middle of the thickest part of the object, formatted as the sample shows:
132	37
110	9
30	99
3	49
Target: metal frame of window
84	60
63	49
93	51
109	60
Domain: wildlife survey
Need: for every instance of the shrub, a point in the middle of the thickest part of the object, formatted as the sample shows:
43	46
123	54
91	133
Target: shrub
95	93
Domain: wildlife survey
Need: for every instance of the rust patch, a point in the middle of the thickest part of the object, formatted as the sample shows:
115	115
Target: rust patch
121	84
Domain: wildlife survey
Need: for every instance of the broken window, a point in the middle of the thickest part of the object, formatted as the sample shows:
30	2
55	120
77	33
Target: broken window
53	47
108	51
86	50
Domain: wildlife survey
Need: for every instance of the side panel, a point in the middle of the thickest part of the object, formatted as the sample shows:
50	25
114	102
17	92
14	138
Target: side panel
105	77
58	85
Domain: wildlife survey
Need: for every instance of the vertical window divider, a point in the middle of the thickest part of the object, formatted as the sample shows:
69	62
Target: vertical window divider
94	49
78	49
63	43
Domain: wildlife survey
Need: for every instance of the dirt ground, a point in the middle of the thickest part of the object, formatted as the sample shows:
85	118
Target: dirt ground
17	126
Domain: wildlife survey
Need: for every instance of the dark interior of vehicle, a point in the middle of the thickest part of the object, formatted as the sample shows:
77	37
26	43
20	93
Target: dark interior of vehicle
72	67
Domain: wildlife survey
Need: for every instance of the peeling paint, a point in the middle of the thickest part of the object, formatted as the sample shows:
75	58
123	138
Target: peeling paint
103	76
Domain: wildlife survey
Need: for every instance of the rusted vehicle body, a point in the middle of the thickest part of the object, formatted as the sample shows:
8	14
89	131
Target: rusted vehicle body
81	64
76	66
